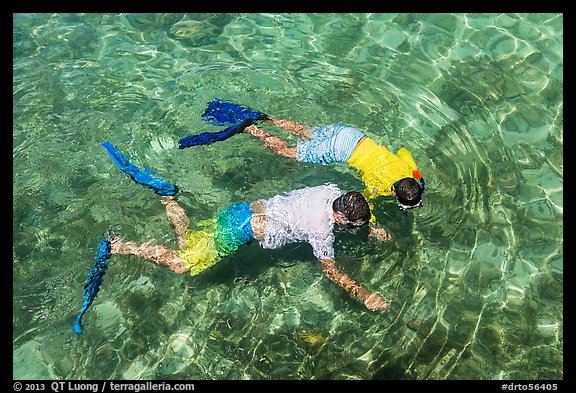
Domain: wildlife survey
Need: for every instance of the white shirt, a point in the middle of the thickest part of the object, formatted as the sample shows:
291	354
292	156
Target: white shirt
302	215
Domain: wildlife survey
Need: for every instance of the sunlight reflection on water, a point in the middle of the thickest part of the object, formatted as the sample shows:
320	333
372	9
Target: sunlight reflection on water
475	277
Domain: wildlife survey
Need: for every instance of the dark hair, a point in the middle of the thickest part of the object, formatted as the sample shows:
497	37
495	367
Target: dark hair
408	191
353	205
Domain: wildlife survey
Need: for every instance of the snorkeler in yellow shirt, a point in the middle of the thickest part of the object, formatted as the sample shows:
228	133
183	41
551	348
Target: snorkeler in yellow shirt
383	172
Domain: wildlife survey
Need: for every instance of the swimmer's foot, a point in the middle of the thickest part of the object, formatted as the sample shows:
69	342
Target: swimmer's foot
117	245
168	199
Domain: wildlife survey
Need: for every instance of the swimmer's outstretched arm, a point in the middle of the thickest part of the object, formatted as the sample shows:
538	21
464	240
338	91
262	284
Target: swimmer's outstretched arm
371	300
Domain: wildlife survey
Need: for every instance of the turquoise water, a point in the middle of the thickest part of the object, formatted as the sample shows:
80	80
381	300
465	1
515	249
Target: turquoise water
475	277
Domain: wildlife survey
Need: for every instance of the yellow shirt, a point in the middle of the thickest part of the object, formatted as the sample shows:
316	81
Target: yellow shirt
380	168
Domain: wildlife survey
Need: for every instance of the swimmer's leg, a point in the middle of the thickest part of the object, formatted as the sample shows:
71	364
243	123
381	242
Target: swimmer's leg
277	145
221	112
159	254
292	127
178	218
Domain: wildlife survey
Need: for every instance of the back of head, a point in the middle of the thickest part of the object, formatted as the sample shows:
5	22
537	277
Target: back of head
408	191
353	206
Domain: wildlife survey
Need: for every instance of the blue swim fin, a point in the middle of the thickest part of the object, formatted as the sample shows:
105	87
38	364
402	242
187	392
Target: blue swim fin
220	112
210	137
94	280
143	177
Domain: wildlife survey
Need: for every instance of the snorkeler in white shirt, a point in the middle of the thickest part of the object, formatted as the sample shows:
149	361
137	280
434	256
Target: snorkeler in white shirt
304	215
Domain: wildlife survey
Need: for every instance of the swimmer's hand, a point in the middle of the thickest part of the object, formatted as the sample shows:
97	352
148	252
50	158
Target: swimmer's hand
375	302
379	233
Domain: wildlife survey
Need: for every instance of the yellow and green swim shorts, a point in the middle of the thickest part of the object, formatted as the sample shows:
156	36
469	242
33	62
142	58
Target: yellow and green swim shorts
221	236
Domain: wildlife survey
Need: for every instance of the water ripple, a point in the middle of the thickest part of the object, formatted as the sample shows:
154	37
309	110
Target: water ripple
474	277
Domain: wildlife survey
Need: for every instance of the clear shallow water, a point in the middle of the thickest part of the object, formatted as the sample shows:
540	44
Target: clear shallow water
475	277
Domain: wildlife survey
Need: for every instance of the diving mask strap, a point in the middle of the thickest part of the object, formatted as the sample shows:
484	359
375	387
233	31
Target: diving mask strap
419	177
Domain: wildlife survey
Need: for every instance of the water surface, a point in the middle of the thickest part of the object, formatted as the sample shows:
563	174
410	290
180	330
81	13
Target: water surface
475	277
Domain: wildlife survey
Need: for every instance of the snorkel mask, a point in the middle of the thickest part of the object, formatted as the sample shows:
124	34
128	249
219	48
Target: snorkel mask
356	224
403	206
